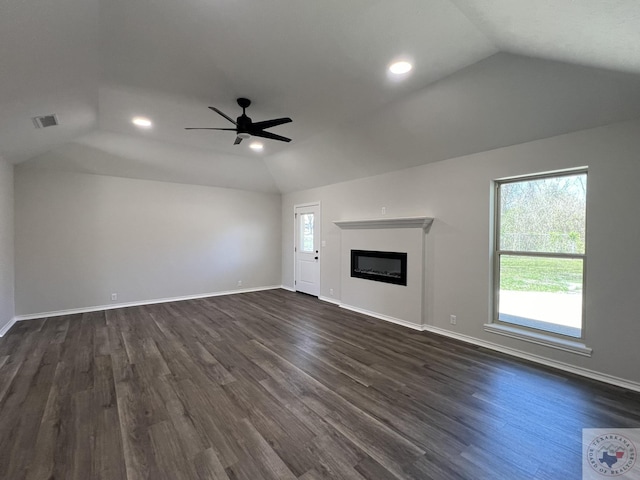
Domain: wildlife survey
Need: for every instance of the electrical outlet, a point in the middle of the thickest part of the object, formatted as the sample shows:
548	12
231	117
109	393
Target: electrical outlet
331	292
114	296
453	319
239	283
384	210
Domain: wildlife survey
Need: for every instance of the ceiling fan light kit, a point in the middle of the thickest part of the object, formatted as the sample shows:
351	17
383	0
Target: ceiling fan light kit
245	127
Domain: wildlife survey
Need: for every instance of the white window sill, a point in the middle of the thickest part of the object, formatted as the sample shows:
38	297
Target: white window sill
570	346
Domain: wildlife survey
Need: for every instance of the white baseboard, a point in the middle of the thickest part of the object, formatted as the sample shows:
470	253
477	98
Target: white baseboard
329	300
381	316
7	327
284	287
112	306
583	372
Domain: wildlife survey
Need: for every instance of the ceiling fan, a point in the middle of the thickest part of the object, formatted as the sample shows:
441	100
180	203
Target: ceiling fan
245	128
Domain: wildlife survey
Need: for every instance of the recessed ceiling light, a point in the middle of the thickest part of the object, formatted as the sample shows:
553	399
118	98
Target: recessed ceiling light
141	122
257	146
399	68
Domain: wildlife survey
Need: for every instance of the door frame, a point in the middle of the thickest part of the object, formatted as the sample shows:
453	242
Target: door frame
295	244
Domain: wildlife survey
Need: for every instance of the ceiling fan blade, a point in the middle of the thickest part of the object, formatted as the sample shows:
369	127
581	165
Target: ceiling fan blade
272	136
224	115
238	140
206	128
271	123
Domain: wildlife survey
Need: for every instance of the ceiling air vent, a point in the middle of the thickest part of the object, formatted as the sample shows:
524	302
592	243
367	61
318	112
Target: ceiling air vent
45	121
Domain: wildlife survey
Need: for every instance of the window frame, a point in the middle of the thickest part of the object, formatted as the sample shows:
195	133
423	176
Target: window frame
498	253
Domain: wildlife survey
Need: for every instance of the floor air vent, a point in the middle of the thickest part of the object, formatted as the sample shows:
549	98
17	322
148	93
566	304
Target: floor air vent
45	121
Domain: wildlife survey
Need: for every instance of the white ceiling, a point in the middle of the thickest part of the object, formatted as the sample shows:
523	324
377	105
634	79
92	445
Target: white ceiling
488	73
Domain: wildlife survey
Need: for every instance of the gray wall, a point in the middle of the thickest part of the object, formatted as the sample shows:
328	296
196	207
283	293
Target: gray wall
457	193
82	237
6	244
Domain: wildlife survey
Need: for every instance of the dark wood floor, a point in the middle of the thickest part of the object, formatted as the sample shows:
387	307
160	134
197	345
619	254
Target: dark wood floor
278	385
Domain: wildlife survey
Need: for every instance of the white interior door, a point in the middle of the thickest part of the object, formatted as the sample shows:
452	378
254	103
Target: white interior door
307	249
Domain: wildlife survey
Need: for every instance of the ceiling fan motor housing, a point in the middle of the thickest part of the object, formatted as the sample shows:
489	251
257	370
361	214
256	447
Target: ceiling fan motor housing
244	123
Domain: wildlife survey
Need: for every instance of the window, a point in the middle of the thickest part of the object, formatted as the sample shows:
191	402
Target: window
540	252
306	233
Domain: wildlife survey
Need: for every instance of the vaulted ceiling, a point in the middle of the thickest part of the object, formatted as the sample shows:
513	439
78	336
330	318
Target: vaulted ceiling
487	73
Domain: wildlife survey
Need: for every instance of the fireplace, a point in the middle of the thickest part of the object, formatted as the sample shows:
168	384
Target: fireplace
387	267
403	303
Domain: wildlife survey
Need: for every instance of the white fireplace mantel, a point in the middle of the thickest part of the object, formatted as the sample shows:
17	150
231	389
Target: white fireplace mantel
398	222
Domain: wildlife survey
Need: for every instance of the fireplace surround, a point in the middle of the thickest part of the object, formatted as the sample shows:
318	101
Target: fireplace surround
404	305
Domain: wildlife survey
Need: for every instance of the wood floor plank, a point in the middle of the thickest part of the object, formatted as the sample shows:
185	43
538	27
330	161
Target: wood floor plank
257	448
49	431
108	456
335	458
36	373
188	436
214	417
208	466
279	385
369	469
16	360
140	461
173	463
284	433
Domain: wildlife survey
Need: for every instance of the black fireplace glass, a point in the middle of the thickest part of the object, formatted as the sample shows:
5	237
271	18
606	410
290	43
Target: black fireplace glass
387	267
